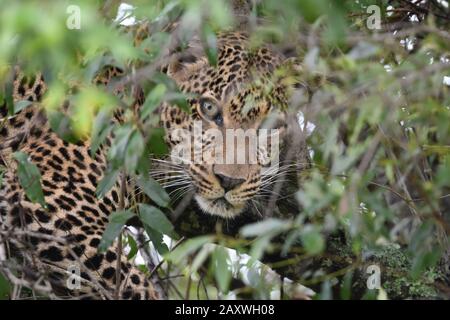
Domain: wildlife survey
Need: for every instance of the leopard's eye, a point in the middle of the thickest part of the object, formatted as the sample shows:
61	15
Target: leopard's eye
208	108
210	111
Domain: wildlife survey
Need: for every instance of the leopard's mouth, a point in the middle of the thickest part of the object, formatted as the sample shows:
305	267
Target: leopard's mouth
222	202
220	207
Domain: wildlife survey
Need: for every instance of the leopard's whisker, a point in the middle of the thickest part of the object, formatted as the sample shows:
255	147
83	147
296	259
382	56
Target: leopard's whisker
182	193
255	205
170	178
175	184
179	189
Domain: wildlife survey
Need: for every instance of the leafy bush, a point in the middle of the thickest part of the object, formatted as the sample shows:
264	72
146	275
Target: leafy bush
379	100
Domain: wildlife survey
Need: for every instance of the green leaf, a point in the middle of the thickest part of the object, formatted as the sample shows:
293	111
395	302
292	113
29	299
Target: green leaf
117	220
312	9
1	176
263	227
133	247
107	182
260	245
118	148
156	144
20	105
61	124
5	288
29	178
425	253
222	271
346	287
199	259
156	219
337	27
312	241
220	14
151	47
153	100
421	237
292	238
101	129
210	45
153	190
179	99
8	94
174	95
326	293
424	260
157	239
134	151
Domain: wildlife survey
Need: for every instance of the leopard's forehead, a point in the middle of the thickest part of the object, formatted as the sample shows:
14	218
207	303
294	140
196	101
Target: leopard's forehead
243	76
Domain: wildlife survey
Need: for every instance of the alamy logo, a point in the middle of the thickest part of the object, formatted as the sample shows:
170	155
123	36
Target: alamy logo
229	146
374	20
74	280
74	19
374	280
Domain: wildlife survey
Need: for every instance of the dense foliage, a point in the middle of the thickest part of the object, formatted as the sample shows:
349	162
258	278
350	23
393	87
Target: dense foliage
379	100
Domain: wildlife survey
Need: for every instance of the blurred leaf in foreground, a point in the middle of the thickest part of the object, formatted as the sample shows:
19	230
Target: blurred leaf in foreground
29	178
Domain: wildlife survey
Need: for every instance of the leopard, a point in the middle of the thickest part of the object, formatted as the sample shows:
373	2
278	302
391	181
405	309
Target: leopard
249	89
68	230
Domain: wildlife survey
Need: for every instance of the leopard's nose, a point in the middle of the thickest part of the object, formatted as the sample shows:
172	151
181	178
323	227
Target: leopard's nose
229	183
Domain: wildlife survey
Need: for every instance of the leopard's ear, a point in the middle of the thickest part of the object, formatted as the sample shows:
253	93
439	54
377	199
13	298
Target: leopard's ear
291	67
294	64
186	61
295	77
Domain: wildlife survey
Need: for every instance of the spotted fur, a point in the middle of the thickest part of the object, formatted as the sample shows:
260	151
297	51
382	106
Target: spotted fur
75	218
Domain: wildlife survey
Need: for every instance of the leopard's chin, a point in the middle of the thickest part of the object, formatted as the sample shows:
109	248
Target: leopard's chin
219	207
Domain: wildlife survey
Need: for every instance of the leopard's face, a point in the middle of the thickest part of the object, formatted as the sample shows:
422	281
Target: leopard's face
235	99
232	166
